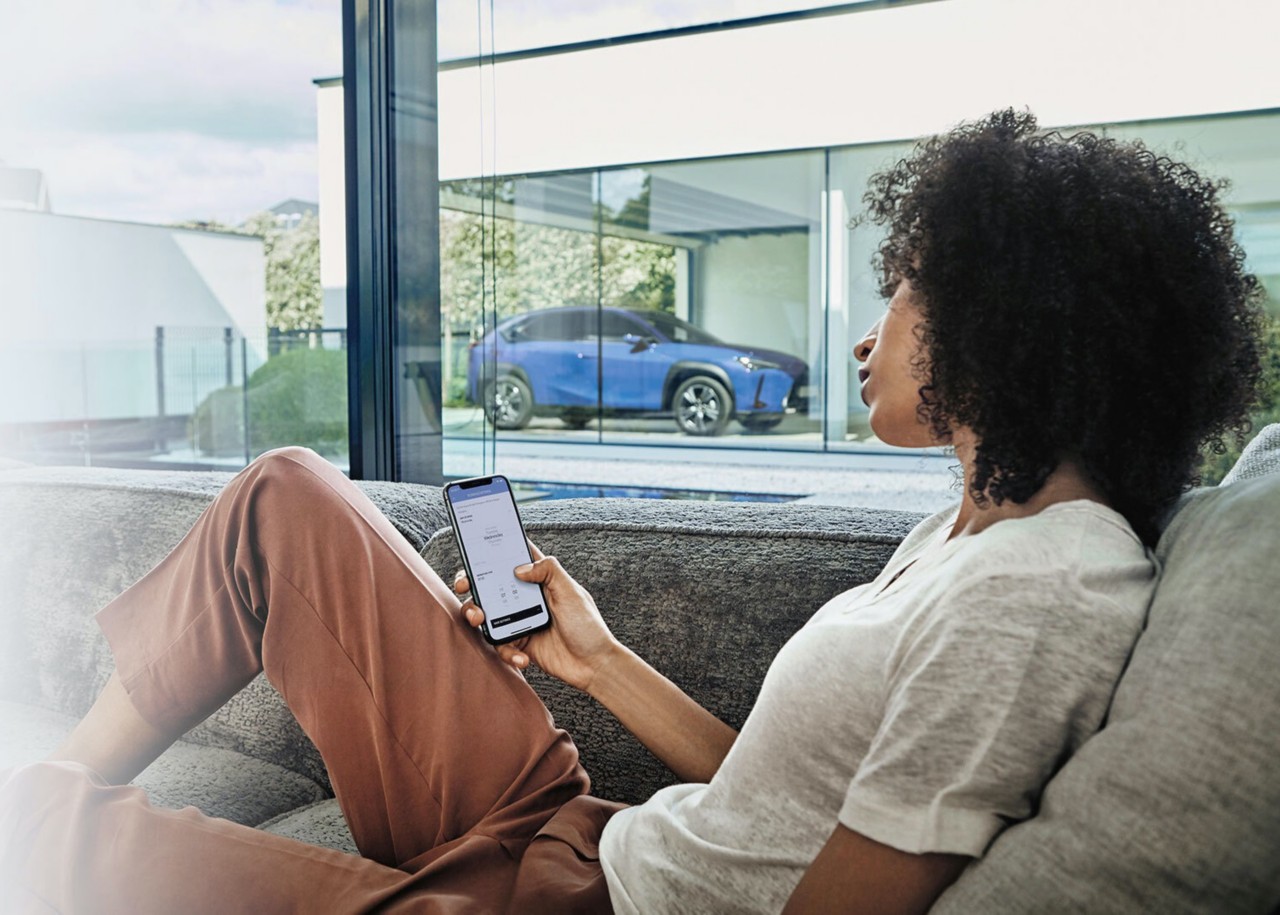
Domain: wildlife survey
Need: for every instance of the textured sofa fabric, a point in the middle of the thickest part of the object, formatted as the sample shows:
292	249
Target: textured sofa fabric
1261	457
1173	807
71	539
706	592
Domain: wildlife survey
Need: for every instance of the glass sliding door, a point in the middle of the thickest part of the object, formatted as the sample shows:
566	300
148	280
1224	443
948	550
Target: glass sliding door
853	300
519	292
716	264
673	304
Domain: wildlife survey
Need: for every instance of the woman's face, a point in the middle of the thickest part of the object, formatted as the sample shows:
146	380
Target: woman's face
889	383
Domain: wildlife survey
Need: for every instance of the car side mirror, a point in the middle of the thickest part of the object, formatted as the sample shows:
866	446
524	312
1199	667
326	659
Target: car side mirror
638	343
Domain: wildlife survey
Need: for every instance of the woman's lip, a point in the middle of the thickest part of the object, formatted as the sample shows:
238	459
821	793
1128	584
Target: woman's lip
863	375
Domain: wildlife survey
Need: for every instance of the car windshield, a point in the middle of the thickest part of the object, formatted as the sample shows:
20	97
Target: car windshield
676	330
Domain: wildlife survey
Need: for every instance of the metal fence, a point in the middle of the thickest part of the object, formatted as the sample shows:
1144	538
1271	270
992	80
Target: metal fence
193	362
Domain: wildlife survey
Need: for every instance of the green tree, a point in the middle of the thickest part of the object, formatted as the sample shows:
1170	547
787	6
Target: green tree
512	267
1215	466
294	297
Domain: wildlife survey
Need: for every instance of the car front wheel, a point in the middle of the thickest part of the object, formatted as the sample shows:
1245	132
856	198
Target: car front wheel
508	402
701	406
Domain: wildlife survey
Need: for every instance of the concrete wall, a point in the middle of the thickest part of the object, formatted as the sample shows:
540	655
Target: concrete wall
331	172
859	77
80	300
756	290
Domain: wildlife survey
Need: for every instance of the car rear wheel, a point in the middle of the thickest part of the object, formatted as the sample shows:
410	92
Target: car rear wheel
508	402
577	419
760	422
701	406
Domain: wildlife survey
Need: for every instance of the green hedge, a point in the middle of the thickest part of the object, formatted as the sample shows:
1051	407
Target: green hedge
298	397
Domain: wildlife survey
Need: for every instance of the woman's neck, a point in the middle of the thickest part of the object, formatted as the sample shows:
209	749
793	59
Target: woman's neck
1067	483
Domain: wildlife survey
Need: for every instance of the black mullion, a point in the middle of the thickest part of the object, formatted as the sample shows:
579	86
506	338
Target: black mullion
370	410
375	248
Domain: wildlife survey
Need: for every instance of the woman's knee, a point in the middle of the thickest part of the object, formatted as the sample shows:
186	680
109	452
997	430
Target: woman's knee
293	471
290	463
290	456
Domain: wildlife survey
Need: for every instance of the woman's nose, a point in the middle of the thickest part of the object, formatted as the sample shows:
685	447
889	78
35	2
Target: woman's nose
862	349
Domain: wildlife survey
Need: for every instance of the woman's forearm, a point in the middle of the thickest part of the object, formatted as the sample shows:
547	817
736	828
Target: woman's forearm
691	741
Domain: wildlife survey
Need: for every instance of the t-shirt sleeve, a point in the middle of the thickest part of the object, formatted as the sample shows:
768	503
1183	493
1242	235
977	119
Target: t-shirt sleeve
1000	682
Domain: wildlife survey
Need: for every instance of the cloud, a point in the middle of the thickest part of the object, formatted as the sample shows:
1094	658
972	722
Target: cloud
161	110
233	68
165	177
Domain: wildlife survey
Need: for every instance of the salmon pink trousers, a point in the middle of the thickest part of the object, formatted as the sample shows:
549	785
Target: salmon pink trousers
461	793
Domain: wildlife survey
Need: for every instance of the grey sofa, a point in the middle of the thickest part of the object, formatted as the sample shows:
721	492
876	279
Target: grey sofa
1173	807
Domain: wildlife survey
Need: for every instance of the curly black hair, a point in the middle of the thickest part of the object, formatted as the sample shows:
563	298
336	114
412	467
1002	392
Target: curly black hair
1084	299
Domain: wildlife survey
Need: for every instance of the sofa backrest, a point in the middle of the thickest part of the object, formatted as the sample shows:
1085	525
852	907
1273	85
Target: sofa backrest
1175	805
707	592
72	538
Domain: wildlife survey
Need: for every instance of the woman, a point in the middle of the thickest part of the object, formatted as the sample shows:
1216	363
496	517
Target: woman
1069	314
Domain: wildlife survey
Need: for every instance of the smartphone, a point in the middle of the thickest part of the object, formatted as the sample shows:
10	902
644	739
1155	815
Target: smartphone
492	542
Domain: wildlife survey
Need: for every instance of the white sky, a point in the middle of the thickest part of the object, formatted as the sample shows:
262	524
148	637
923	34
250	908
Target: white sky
165	110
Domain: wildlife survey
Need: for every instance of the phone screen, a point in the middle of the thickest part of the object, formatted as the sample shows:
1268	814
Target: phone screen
492	543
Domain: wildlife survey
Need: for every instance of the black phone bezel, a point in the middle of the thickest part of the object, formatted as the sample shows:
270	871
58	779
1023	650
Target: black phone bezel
467	483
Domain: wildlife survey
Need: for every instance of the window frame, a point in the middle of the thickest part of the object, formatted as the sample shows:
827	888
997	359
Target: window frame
393	239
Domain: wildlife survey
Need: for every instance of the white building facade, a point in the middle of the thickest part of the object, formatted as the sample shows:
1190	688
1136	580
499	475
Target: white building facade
745	153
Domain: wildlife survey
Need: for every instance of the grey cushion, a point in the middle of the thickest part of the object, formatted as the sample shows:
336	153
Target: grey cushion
320	823
1260	457
1175	806
220	782
707	592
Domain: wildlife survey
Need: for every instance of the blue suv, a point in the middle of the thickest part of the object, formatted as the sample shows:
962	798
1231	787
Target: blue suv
639	363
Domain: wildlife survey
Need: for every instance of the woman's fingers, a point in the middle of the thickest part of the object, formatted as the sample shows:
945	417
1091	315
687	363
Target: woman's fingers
544	569
460	583
513	653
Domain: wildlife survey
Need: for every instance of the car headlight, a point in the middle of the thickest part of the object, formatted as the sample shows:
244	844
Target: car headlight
751	363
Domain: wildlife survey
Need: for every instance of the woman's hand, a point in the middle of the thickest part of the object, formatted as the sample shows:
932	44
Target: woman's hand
576	646
579	649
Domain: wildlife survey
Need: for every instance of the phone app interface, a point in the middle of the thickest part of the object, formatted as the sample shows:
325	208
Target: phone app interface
494	543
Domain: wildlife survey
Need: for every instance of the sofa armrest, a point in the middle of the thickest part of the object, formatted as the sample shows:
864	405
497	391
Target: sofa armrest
707	592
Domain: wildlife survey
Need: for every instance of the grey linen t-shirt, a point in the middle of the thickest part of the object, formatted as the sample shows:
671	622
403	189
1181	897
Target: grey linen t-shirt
925	710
